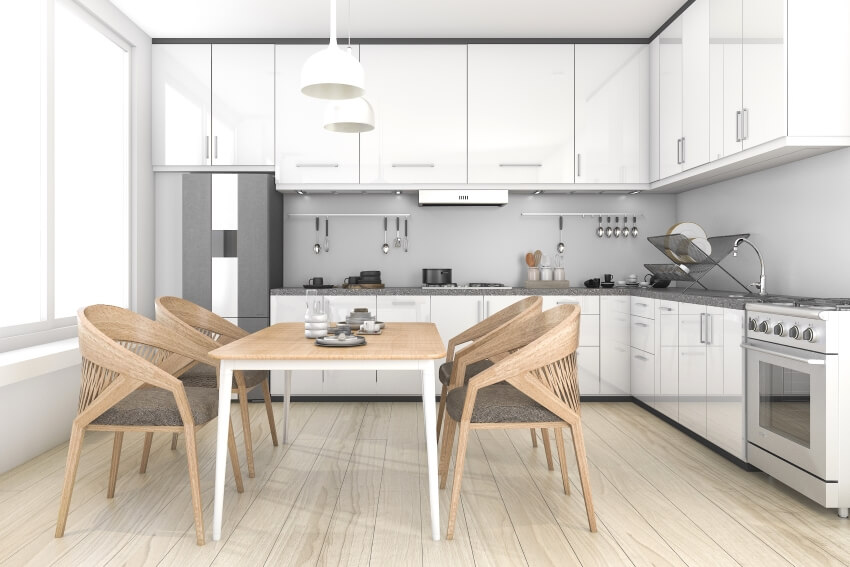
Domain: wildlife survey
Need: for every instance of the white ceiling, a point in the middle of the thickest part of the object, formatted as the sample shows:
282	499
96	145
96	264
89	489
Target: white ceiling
401	18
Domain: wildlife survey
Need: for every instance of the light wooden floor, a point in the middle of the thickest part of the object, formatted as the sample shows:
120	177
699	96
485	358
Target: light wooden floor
351	489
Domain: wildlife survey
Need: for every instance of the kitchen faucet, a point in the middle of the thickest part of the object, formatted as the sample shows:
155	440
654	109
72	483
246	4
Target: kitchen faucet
760	284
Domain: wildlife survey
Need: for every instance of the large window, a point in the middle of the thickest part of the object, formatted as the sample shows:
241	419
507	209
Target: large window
64	153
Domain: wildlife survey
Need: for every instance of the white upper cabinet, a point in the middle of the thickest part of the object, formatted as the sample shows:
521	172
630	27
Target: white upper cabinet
725	77
181	83
306	152
212	104
654	108
611	113
684	91
243	104
521	113
418	93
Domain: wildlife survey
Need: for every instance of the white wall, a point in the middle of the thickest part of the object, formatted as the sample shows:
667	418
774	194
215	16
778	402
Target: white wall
479	243
797	214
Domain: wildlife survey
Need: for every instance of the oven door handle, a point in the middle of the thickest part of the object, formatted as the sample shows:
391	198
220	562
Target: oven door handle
812	361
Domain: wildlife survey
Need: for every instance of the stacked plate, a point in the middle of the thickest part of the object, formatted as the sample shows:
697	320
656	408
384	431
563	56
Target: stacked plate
679	251
360	316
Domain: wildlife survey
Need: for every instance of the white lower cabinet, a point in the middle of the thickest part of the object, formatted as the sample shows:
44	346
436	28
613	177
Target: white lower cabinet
454	314
726	419
667	359
614	345
700	355
409	309
587	361
291	309
643	376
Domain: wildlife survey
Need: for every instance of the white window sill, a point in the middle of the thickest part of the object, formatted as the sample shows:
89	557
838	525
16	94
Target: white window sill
25	363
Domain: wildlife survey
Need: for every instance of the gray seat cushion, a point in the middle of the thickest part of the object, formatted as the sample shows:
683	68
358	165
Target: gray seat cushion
471	370
203	376
157	407
499	403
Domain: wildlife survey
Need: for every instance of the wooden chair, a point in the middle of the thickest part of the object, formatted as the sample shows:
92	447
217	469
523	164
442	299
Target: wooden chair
215	331
128	362
535	386
491	324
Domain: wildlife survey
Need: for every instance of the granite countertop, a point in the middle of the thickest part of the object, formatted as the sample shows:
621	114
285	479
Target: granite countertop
711	298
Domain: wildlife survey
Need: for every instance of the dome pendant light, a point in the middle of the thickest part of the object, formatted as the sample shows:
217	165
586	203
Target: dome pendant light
332	73
353	115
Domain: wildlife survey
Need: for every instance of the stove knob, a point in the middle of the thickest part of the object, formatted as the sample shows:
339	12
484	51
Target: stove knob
794	332
753	324
764	327
809	335
779	330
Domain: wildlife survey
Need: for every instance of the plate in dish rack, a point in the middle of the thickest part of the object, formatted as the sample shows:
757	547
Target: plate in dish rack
348	341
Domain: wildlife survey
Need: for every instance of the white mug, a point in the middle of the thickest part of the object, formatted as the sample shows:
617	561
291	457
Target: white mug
369	326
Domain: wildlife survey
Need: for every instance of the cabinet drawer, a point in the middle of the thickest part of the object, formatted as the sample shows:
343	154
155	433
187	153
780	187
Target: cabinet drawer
643	376
643	306
588	331
643	334
589	304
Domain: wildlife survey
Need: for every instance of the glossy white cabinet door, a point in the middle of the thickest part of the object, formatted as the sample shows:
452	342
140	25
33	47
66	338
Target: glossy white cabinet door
306	152
691	324
614	325
667	387
764	65
726	420
587	362
726	76
695	86
589	303
654	109
670	91
349	382
495	303
611	113
409	309
643	376
291	309
643	334
243	104
180	103
418	93
521	113
614	367
692	388
454	314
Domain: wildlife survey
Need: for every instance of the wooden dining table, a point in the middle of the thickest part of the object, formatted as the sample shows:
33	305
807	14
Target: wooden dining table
401	346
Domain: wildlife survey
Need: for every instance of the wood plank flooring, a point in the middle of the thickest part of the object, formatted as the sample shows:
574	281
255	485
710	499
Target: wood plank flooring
351	489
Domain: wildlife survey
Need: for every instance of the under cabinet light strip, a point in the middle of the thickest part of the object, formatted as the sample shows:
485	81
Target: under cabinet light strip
355	214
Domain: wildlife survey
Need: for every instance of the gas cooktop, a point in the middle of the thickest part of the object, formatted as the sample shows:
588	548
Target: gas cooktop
814	303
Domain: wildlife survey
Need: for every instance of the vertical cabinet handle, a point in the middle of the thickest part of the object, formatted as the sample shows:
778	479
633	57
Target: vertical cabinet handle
578	165
745	129
215	147
679	151
206	147
708	325
683	150
702	328
738	126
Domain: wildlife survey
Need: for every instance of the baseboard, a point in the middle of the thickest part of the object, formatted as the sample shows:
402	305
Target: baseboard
413	399
702	440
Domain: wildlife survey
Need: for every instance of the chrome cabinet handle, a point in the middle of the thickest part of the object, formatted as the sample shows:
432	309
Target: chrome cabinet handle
639	357
413	165
642	304
641	325
702	328
302	164
684	159
708	325
745	129
811	361
738	126
520	165
206	147
679	151
578	165
666	308
404	303
215	147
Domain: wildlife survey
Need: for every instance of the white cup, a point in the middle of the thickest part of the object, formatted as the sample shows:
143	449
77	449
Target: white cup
370	326
533	274
559	274
546	274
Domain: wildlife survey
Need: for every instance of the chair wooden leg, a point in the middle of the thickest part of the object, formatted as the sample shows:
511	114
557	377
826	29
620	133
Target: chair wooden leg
441	410
113	467
195	484
174	442
581	459
146	451
562	457
234	458
548	449
446	450
463	436
533	438
246	430
267	396
75	447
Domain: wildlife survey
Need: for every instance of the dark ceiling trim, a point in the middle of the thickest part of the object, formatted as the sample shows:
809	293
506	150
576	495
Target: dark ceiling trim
670	20
404	41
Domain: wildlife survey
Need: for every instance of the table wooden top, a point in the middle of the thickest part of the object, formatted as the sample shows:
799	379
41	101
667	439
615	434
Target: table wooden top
286	341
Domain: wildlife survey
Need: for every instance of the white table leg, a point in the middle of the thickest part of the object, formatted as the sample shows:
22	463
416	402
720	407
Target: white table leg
287	389
428	396
226	378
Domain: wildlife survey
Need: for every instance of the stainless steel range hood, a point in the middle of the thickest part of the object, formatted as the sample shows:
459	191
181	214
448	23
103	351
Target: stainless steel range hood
463	197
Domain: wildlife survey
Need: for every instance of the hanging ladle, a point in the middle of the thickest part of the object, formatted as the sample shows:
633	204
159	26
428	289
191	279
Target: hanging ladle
386	247
560	247
317	247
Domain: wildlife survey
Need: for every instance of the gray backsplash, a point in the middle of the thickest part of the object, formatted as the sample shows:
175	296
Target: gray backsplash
484	244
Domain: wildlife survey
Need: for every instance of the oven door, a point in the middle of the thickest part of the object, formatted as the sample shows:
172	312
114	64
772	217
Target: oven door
792	406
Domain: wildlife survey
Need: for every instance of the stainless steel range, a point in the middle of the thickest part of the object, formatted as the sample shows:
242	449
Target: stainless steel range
798	395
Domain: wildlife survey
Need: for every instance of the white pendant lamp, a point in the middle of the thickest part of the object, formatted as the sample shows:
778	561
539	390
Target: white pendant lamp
349	116
332	73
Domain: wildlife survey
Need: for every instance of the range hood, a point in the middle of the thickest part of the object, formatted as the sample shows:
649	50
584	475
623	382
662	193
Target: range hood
462	197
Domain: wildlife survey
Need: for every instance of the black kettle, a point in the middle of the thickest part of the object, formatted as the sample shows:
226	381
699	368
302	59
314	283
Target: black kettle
656	281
